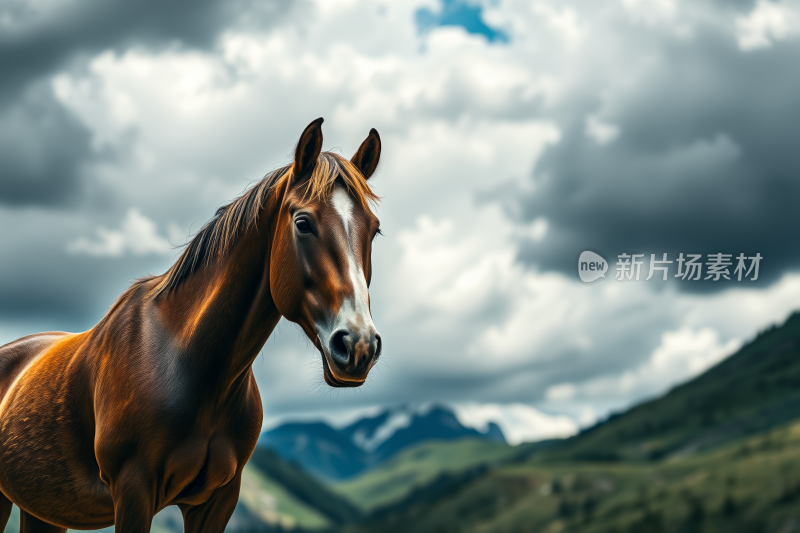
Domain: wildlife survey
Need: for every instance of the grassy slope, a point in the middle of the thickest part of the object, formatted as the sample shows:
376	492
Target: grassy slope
275	505
753	485
303	487
397	477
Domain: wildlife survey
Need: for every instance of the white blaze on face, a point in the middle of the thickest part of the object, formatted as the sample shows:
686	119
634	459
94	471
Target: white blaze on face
354	312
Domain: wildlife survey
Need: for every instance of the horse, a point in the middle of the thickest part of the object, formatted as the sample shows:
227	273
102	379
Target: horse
157	404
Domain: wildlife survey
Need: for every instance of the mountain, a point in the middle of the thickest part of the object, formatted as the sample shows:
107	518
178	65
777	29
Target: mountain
340	453
438	424
317	447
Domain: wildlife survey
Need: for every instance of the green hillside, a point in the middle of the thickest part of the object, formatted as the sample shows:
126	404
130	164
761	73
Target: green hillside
415	467
269	501
304	488
750	486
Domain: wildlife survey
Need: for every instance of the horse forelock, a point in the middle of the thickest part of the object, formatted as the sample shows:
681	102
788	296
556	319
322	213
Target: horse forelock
330	167
231	220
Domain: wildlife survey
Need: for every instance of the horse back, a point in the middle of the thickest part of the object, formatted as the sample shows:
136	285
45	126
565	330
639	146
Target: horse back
18	355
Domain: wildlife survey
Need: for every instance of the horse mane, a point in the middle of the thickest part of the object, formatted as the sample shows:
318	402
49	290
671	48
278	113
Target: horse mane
233	219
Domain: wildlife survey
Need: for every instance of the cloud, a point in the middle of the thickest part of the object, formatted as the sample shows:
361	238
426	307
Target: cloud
681	355
37	38
767	23
678	111
138	235
601	132
651	12
42	150
519	422
43	287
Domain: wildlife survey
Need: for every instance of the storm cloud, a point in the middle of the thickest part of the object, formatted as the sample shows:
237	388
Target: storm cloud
39	38
42	148
683	143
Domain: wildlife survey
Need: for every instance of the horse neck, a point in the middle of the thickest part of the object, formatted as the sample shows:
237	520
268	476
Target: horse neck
222	315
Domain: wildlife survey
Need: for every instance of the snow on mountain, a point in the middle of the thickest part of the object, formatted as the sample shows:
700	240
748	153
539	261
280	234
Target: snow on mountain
519	422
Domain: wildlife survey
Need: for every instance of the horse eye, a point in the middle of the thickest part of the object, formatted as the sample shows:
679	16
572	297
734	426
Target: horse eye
302	225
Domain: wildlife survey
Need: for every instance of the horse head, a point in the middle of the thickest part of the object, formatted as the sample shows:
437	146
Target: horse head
320	262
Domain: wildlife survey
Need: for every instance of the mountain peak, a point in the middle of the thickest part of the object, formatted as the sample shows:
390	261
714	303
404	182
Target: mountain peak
339	453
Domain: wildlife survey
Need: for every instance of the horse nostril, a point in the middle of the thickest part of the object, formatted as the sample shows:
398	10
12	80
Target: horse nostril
339	347
379	346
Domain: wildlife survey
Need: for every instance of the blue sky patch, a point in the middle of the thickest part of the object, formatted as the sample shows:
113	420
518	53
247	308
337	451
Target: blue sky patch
459	13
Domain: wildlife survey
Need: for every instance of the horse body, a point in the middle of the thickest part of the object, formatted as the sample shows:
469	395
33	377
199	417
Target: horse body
157	404
153	386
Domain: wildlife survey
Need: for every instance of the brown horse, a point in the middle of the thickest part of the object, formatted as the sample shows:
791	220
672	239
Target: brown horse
157	404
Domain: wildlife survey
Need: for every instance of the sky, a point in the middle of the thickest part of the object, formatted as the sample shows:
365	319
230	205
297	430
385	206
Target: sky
516	135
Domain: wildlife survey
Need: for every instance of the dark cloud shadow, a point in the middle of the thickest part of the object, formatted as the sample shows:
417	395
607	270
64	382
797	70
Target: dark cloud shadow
705	161
43	149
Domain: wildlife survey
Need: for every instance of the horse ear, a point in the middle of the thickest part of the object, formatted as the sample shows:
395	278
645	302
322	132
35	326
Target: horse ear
308	148
368	154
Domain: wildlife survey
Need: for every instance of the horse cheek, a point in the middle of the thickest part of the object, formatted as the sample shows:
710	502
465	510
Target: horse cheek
284	278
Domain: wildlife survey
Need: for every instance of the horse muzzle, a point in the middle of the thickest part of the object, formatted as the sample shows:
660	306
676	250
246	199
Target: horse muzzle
348	355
